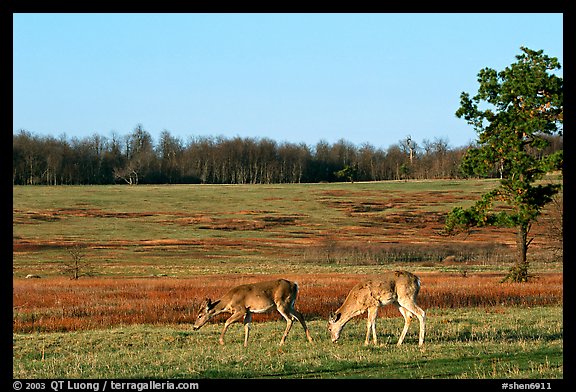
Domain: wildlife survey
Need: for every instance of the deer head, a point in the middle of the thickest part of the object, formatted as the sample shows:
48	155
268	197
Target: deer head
334	327
207	311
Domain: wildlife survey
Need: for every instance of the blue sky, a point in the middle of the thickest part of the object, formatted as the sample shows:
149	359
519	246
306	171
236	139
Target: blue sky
365	78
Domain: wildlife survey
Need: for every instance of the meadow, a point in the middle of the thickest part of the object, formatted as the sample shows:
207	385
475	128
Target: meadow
155	252
461	343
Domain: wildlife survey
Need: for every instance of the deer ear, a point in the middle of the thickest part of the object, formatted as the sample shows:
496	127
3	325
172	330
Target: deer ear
211	305
334	317
205	303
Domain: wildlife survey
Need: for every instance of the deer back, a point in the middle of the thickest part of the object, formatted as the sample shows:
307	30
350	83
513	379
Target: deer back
262	295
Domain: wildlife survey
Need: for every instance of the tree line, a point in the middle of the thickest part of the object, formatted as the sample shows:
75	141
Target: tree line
136	159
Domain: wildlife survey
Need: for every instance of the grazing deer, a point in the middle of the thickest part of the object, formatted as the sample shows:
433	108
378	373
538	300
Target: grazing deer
246	299
399	288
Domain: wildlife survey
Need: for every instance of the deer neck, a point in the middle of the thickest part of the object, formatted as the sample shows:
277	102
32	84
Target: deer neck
349	310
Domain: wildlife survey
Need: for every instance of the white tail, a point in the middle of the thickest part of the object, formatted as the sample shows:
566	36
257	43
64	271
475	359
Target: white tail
399	288
244	300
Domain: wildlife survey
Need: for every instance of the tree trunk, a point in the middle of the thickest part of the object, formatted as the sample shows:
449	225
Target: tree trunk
519	272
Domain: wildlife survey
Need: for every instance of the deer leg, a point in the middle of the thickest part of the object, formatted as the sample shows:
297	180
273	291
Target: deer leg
371	325
407	319
420	314
247	324
300	318
289	322
235	317
374	327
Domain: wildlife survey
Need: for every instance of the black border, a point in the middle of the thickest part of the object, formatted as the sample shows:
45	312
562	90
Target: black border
9	7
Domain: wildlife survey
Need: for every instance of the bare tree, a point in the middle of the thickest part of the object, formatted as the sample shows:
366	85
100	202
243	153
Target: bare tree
77	266
410	146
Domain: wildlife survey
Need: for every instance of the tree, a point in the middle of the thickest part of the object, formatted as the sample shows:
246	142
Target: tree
169	153
139	157
513	112
349	172
409	146
77	266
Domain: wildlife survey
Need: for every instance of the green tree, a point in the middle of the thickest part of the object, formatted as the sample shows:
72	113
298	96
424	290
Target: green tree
512	113
350	172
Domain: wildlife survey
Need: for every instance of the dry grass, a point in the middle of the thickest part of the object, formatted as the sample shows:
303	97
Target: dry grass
59	304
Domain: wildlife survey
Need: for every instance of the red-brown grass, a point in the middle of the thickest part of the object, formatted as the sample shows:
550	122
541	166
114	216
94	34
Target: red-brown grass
59	304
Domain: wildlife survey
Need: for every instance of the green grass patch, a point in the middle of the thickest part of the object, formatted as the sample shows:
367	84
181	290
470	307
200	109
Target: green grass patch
460	343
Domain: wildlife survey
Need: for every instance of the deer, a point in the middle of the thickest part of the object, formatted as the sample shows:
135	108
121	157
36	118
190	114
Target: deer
396	287
244	300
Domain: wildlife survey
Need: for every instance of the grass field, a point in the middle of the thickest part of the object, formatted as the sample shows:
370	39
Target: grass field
460	343
157	251
186	230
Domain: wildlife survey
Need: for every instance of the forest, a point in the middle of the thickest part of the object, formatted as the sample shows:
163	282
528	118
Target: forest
136	158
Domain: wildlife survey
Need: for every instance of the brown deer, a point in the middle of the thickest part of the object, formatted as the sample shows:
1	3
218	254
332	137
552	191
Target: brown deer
244	300
398	287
